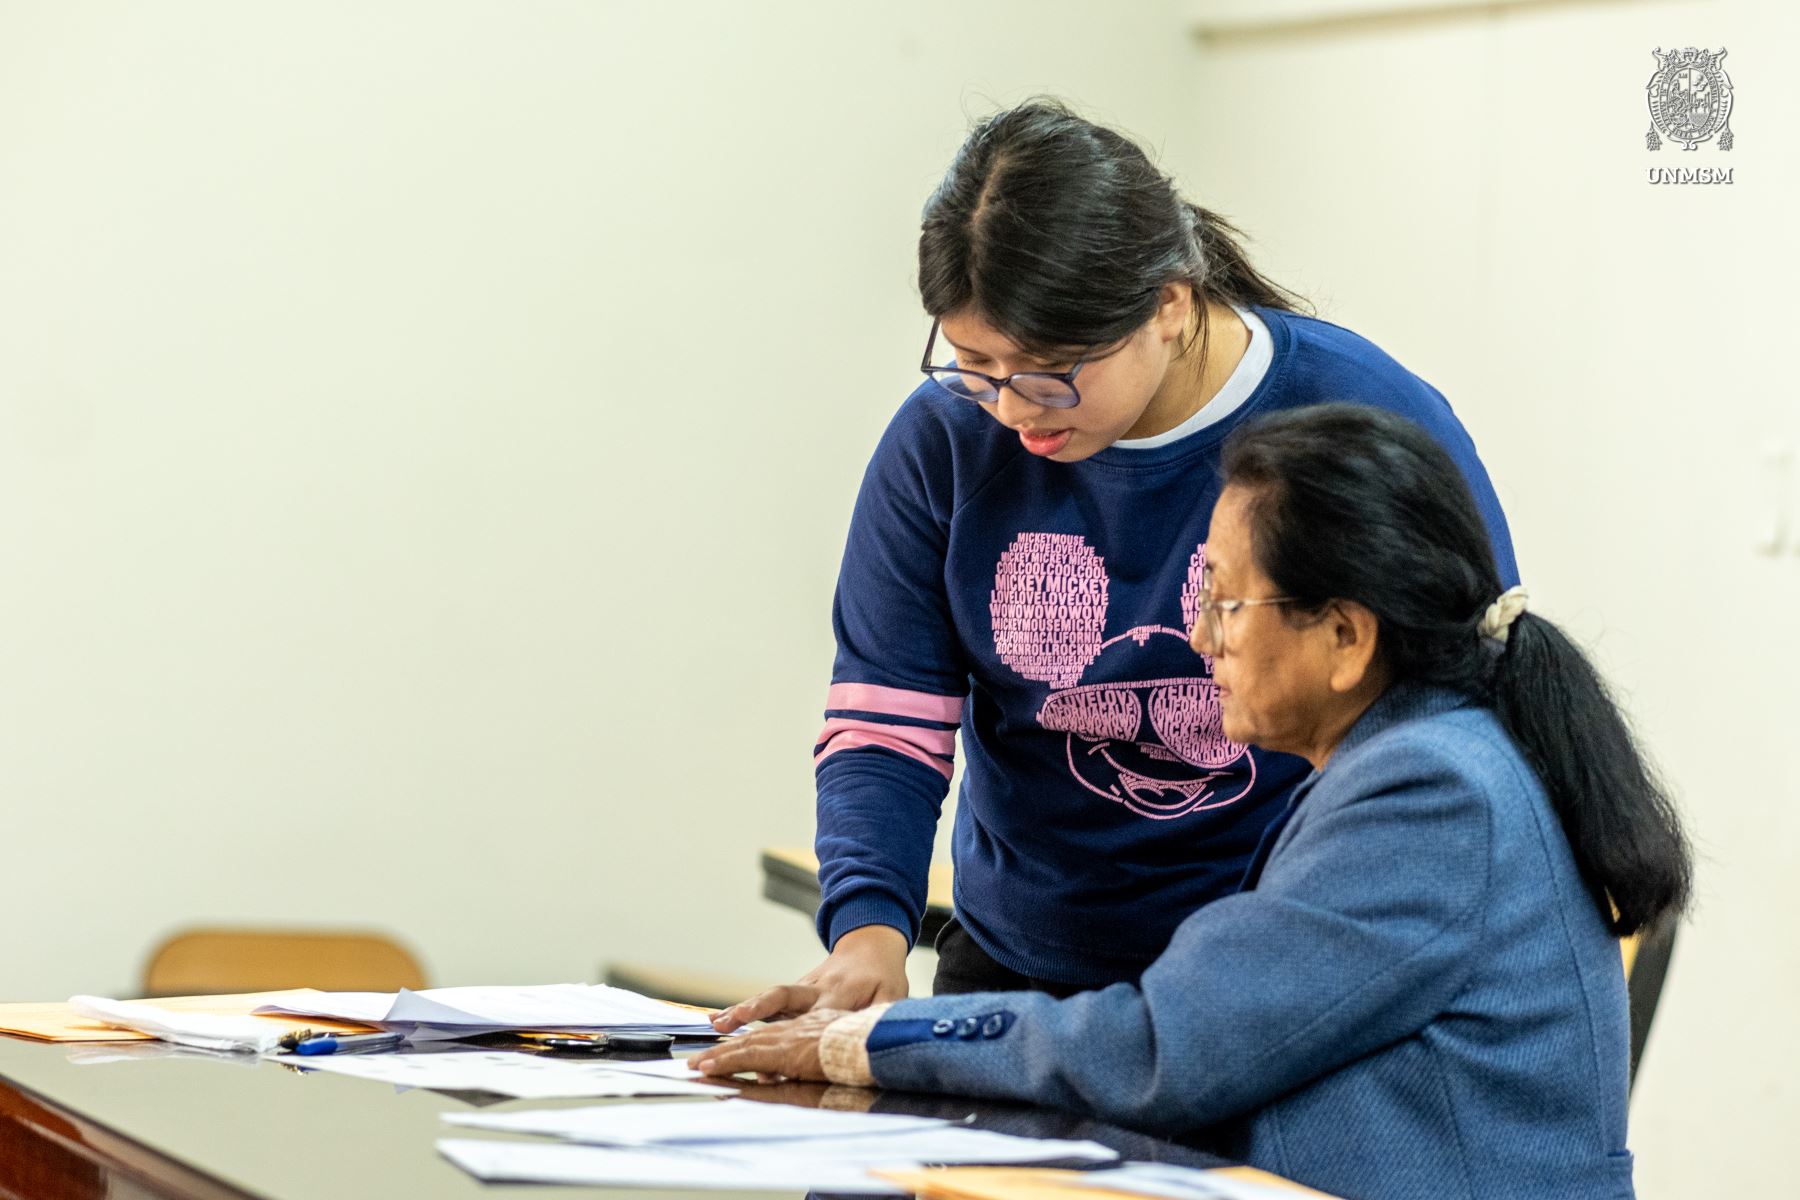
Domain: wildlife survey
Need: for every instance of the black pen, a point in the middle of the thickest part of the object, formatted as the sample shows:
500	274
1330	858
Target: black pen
349	1043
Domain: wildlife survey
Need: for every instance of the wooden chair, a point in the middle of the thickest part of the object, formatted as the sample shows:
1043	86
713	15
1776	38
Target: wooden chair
199	962
1646	966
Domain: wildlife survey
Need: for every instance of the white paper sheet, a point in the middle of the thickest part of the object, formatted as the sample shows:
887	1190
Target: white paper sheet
678	1145
529	1076
915	1148
662	1068
731	1120
531	1162
484	1009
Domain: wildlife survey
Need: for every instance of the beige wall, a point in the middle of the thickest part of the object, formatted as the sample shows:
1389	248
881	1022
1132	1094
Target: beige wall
427	436
403	520
1471	192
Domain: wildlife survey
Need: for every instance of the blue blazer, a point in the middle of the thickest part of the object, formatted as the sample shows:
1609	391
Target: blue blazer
1415	998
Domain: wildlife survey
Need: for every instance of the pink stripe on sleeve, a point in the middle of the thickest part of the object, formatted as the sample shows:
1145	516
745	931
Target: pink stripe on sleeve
868	697
851	739
932	741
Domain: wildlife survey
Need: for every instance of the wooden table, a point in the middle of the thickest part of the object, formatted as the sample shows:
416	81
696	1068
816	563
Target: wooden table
142	1121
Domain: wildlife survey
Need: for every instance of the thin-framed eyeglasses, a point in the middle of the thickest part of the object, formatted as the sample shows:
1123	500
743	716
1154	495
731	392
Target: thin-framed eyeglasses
1052	389
1210	613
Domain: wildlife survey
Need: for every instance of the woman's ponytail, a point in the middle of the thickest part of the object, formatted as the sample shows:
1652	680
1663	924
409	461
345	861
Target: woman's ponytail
1617	816
1226	272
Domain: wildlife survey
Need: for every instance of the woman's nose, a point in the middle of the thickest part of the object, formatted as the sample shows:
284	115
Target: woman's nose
1199	639
1015	410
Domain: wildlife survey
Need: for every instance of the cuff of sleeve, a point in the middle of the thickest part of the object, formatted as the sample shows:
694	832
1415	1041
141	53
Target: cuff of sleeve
844	1046
868	908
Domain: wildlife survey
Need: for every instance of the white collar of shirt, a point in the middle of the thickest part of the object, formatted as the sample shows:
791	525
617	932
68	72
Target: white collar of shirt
1244	377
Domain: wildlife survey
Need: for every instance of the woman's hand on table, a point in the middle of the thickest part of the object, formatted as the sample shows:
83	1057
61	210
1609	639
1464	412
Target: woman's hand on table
867	966
787	1049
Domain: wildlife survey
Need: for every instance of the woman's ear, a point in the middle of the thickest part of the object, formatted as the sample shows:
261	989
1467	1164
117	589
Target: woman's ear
1174	310
1353	630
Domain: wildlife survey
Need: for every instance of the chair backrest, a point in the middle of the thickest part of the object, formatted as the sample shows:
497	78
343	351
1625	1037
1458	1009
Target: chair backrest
198	962
1646	958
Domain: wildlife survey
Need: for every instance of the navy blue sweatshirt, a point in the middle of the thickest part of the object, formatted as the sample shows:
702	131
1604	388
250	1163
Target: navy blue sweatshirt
1042	610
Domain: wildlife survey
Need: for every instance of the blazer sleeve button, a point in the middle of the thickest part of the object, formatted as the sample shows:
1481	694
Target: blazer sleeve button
942	1027
968	1027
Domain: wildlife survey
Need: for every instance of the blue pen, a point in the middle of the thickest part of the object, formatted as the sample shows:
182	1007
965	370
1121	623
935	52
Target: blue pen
352	1043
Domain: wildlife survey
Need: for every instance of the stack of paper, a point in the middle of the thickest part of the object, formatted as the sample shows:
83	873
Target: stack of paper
222	1026
735	1144
202	1030
258	1022
456	1012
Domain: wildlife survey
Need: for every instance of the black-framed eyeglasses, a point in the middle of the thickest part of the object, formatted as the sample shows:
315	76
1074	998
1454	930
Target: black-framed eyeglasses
1052	389
1210	614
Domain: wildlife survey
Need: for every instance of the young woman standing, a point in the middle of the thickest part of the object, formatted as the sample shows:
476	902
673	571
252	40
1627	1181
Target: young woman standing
1023	567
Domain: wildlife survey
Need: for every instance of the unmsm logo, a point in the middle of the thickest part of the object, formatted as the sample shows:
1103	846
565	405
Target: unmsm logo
1691	174
1690	99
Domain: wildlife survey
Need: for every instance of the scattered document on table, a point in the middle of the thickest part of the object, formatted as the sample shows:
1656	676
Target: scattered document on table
494	1161
528	1076
813	1163
914	1148
662	1068
736	1144
462	1011
731	1120
776	1136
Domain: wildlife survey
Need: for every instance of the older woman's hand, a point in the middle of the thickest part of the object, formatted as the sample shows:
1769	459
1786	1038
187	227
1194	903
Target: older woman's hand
784	1050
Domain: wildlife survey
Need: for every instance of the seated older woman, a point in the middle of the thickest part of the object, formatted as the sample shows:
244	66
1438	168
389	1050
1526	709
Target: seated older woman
1417	992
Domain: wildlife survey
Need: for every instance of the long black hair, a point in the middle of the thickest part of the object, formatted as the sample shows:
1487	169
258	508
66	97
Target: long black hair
1356	503
1062	234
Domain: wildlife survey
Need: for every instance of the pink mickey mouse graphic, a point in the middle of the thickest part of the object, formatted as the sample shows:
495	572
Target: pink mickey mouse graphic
1155	745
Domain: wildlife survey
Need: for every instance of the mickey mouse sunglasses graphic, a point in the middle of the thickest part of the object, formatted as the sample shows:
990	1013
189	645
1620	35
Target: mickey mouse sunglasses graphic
1137	736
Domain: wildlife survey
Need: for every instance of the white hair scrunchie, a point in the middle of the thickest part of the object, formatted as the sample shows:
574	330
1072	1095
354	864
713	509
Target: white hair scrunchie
1497	621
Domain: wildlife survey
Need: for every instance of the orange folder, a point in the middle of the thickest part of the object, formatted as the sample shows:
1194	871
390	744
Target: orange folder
54	1022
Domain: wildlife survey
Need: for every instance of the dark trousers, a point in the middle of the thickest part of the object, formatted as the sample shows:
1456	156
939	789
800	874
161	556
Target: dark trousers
964	966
